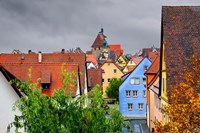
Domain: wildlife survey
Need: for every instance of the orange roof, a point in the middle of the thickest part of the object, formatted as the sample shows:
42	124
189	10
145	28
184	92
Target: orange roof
48	70
153	55
155	66
130	68
116	48
90	57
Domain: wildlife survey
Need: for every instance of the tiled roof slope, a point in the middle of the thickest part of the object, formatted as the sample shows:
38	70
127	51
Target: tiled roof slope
94	77
18	65
181	35
90	57
99	40
153	55
10	77
116	48
155	66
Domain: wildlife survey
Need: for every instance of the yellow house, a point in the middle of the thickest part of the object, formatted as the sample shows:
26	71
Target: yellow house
164	96
121	61
109	70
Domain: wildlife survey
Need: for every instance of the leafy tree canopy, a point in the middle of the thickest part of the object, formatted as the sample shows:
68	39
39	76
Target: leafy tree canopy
184	108
63	114
112	90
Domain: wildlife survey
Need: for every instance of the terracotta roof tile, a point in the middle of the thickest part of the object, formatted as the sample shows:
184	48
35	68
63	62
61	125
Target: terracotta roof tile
181	36
116	48
94	77
99	40
153	55
90	57
51	63
155	66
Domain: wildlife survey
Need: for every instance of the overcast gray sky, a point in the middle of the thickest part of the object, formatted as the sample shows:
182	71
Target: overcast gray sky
51	25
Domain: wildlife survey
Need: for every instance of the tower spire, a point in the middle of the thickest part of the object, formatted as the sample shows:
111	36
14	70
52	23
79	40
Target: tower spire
101	29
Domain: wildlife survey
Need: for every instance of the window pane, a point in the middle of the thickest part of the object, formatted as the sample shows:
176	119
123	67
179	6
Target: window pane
144	93
140	106
115	71
128	93
144	81
134	80
130	106
135	93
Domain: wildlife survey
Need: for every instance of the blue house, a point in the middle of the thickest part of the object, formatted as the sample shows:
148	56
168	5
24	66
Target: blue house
132	92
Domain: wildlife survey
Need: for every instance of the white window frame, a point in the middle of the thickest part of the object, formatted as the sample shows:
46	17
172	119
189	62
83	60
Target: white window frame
140	106
130	106
135	81
134	93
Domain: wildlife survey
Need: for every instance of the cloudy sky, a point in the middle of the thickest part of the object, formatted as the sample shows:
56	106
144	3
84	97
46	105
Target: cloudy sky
51	25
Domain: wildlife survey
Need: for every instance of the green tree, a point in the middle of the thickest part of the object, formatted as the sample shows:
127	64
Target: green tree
112	91
63	114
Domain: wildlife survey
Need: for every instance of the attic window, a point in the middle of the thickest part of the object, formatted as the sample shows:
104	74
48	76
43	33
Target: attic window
46	80
145	68
45	86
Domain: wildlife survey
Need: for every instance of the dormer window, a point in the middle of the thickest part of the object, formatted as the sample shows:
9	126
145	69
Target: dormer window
45	80
45	86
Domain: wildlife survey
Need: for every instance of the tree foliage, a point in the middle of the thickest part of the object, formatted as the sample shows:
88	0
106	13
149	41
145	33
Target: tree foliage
63	114
112	90
184	108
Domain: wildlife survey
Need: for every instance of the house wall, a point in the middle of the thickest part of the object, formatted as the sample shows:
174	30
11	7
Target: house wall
108	69
7	97
123	100
130	63
152	91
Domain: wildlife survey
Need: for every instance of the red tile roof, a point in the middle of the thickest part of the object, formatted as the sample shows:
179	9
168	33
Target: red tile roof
153	55
10	77
90	57
99	40
181	36
94	77
116	48
18	65
155	66
145	51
